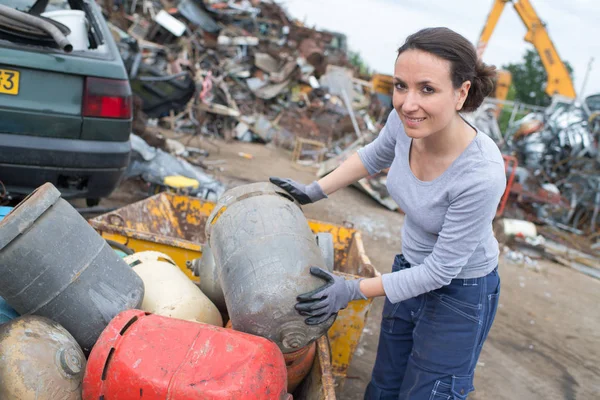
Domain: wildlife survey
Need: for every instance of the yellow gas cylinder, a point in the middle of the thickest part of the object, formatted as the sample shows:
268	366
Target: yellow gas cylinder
168	292
39	360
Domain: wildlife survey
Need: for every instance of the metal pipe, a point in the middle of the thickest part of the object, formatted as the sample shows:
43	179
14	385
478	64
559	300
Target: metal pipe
348	104
120	246
40	23
95	210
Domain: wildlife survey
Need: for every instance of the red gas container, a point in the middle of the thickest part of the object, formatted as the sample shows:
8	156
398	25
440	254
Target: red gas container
149	357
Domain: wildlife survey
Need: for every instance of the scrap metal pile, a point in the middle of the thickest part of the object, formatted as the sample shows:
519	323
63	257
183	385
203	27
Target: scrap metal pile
238	69
245	70
558	178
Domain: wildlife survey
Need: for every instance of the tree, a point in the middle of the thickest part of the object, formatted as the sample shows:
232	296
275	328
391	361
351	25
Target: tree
356	60
529	79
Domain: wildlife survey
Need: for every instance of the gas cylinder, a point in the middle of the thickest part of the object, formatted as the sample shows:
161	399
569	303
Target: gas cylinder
169	292
210	284
205	268
299	364
146	356
39	360
54	264
7	313
264	248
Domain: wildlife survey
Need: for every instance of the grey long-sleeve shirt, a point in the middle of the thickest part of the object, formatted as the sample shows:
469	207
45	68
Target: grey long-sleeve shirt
447	230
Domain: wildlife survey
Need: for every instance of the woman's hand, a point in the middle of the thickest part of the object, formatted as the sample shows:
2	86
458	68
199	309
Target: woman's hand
304	194
320	304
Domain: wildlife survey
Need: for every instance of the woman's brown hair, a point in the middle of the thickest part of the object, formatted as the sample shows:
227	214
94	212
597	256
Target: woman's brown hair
465	66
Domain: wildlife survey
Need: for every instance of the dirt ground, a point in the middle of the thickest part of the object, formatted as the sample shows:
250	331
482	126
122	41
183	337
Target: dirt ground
545	342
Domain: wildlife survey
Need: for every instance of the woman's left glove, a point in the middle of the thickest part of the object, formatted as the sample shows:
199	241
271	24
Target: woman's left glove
304	194
320	304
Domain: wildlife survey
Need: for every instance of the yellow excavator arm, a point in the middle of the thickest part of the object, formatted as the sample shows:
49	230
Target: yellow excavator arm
559	80
490	25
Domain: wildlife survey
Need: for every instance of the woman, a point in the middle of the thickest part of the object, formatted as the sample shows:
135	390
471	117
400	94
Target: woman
448	178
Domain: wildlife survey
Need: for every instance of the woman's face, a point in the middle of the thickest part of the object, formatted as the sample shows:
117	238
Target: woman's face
424	96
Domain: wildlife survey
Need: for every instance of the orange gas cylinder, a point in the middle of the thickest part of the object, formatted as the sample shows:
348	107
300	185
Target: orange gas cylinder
146	356
298	365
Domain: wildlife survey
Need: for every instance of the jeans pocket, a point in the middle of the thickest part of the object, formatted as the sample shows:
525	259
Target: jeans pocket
468	310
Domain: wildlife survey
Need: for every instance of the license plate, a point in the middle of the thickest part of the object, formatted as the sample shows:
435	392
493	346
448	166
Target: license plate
9	81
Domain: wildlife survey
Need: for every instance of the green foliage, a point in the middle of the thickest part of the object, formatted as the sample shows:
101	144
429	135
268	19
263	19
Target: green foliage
529	78
356	59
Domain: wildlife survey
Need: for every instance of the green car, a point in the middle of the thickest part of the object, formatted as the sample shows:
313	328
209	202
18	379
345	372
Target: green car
65	105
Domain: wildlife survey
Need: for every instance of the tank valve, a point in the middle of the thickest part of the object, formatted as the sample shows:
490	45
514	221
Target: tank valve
293	336
70	361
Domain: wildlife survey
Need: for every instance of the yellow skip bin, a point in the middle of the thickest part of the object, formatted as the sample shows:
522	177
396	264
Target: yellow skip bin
174	224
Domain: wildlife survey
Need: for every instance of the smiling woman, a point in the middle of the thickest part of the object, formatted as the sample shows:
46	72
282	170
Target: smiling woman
447	177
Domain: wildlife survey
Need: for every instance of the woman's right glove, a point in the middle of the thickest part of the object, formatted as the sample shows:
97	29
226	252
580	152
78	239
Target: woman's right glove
325	301
304	194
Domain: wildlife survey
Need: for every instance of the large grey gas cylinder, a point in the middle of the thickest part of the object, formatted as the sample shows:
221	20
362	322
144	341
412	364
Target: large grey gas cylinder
264	248
54	264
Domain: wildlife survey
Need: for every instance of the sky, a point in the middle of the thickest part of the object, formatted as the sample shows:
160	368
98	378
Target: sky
376	28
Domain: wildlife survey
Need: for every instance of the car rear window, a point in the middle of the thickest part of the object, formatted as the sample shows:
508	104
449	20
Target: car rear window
25	5
78	21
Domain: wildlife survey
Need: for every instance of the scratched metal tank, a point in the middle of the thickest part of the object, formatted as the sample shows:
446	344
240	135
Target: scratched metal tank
54	264
39	360
264	248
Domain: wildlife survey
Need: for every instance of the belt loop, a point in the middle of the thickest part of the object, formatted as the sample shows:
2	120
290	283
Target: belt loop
470	282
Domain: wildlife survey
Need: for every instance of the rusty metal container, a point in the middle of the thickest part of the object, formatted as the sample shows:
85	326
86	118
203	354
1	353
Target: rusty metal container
54	264
168	292
263	249
39	360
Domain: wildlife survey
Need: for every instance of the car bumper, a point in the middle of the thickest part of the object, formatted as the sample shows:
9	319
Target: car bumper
78	168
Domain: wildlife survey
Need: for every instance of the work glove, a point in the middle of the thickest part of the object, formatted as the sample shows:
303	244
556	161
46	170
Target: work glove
304	194
320	304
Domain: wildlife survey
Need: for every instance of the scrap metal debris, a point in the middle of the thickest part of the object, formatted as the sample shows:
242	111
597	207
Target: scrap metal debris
164	170
244	70
557	180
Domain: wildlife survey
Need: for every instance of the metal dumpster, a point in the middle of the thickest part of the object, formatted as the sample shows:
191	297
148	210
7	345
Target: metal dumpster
174	224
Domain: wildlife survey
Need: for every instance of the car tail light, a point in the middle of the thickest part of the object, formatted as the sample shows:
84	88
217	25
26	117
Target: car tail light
106	98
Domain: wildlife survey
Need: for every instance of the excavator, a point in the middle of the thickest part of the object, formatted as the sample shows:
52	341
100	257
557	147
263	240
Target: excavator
559	81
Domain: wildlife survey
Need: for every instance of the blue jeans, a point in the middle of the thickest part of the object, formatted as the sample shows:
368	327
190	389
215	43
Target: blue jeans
429	345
